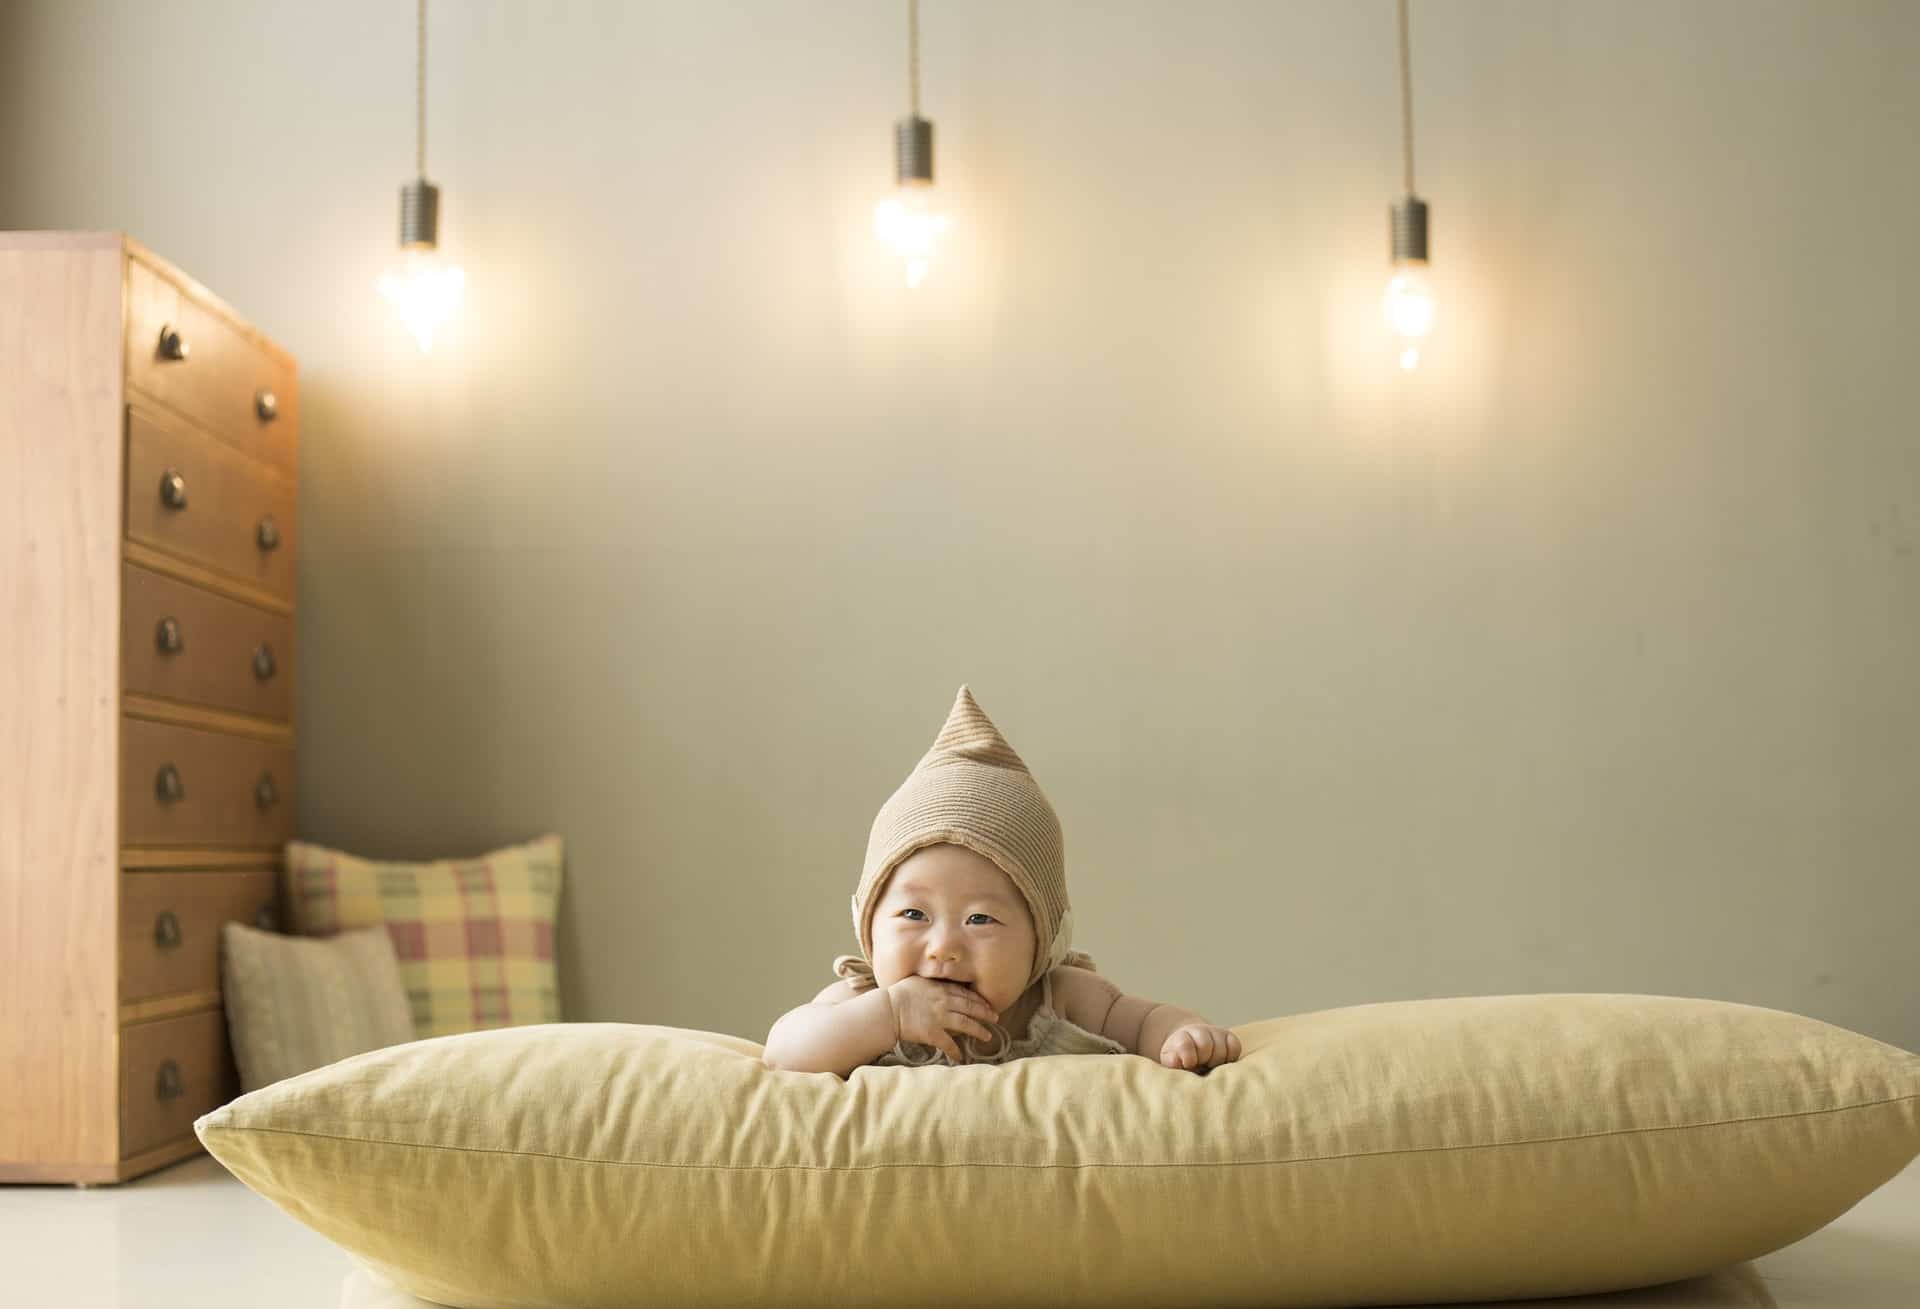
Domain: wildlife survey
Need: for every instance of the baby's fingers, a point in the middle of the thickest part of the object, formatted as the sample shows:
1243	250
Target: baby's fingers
1221	1047
974	1003
1180	1051
971	1028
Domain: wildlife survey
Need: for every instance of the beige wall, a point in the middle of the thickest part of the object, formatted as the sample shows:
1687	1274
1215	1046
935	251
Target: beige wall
1583	660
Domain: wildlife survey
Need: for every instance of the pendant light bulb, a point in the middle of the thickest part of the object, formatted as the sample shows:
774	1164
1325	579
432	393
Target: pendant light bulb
424	288
910	224
910	220
425	291
1409	304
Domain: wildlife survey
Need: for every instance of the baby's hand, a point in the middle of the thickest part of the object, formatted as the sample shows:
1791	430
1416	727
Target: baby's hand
926	1009
1199	1045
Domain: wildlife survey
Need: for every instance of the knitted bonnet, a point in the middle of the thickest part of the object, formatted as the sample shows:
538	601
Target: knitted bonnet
971	789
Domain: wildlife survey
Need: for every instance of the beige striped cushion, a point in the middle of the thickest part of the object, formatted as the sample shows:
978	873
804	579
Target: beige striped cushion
295	1004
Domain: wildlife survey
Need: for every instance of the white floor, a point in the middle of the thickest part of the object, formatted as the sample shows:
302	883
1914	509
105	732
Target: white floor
191	1237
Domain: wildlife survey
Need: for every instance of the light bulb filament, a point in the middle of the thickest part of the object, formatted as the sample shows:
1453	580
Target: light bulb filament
1409	308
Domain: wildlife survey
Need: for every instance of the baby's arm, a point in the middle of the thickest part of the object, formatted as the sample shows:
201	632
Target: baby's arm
1089	1000
835	1033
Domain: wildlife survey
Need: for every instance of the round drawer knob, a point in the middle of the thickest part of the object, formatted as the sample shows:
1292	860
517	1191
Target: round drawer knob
170	1085
266	920
269	533
173	490
169	636
267	405
265	793
172	344
169	785
263	661
166	930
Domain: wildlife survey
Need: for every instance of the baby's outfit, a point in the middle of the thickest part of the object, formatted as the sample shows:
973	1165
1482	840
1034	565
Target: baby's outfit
972	789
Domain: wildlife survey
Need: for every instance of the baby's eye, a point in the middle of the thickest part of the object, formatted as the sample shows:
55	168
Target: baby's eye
905	912
988	917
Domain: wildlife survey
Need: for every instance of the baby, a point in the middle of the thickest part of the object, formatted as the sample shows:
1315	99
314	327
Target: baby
965	935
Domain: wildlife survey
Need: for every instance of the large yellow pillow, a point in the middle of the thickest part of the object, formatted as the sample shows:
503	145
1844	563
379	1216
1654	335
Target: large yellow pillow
1462	1149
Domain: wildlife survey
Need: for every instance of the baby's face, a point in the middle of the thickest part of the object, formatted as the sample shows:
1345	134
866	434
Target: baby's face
949	912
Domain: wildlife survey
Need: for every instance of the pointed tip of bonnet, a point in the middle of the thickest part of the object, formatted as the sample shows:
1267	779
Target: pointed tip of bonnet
969	734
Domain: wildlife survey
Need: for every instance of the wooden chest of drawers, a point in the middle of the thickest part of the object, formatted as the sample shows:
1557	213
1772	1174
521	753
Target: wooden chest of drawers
148	457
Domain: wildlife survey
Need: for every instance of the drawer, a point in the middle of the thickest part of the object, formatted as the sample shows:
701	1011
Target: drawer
229	381
170	927
171	1072
194	787
200	498
228	654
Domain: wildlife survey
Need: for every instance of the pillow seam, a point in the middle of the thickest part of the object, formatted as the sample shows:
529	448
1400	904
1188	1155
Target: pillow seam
1179	1163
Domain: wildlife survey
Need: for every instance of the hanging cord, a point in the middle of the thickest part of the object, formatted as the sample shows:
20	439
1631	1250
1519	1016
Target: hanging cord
420	91
913	53
1406	97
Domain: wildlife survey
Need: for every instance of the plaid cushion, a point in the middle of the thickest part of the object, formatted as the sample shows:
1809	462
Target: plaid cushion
474	936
